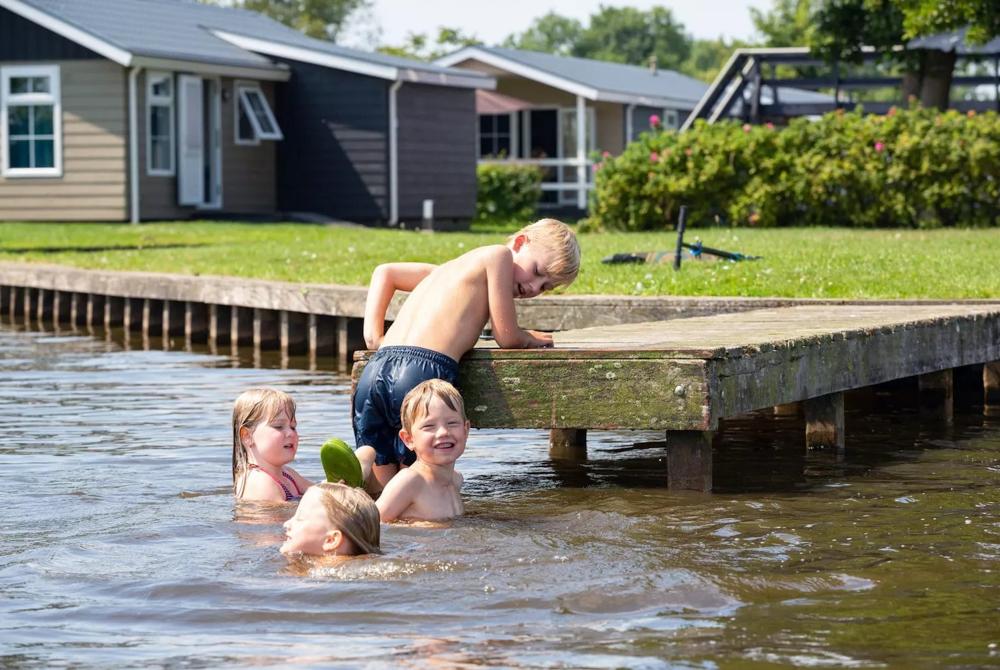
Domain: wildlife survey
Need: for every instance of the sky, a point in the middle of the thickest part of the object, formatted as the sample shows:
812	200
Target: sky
492	20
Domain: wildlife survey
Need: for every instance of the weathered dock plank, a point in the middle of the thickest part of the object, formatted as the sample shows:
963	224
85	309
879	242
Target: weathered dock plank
686	374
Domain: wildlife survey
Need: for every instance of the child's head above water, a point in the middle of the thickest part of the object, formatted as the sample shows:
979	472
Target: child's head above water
417	403
434	425
554	248
333	520
263	428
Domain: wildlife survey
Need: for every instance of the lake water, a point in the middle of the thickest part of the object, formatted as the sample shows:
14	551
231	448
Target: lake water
121	546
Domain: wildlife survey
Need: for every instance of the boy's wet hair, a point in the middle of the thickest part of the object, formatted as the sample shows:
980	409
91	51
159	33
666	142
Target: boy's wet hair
251	408
353	512
558	238
417	402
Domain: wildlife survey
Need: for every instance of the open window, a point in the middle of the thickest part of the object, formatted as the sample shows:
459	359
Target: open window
254	119
160	124
30	121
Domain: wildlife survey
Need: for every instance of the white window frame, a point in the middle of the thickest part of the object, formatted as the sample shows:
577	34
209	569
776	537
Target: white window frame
243	92
153	78
53	98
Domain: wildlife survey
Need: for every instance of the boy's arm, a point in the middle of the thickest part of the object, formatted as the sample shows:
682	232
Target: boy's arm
500	291
398	495
386	280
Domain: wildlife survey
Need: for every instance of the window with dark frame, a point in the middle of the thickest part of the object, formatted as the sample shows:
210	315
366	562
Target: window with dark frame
494	136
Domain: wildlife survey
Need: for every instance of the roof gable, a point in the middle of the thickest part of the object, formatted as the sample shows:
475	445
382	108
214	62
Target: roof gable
593	79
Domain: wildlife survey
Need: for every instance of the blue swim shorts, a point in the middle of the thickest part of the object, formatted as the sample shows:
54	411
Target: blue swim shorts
386	379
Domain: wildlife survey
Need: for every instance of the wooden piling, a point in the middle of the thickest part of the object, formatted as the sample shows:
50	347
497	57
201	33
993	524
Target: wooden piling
937	394
991	386
283	337
74	310
689	460
342	342
788	409
312	327
568	443
825	421
12	302
26	305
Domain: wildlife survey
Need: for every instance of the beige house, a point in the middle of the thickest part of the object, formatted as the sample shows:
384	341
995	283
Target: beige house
558	111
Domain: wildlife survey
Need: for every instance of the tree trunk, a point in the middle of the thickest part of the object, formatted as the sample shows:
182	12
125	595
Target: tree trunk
935	85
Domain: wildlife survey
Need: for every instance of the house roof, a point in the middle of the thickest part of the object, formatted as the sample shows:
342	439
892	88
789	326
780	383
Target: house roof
155	33
955	40
593	79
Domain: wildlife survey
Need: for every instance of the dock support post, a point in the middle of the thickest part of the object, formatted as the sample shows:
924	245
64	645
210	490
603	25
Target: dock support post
12	304
114	311
568	444
689	460
788	409
937	394
312	327
991	387
213	326
283	336
342	342
234	330
74	309
27	306
825	421
44	306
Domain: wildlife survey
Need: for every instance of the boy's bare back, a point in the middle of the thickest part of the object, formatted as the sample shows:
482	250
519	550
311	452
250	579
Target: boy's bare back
446	312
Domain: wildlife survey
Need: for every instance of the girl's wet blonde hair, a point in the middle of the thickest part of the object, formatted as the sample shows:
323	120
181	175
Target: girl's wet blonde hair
252	407
417	402
558	238
353	512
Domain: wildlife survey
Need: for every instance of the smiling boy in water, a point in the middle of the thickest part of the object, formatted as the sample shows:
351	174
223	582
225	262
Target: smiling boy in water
441	320
435	430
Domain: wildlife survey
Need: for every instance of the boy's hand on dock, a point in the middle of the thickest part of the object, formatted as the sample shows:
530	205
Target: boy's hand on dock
538	339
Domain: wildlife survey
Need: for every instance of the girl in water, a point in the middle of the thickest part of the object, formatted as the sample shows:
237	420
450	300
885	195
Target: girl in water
333	520
265	441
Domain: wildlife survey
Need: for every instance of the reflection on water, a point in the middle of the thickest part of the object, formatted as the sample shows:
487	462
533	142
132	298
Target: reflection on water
122	546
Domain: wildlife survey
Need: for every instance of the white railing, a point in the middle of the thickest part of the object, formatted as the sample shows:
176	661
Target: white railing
557	185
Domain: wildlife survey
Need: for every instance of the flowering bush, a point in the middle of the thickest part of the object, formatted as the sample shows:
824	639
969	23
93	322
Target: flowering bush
507	191
909	168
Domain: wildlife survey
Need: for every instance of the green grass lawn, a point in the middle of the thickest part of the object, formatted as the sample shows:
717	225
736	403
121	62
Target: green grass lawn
801	262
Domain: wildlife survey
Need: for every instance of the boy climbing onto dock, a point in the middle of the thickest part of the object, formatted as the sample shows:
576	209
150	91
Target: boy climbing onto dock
440	320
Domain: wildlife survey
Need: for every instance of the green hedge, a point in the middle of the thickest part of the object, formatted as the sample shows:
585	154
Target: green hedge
908	168
507	191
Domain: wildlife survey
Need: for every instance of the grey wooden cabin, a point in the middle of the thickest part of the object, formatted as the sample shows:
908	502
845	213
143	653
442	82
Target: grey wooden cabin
158	109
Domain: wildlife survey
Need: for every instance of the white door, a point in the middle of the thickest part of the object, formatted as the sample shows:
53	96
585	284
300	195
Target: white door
191	131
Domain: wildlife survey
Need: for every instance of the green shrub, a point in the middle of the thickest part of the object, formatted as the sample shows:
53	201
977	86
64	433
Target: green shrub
507	191
908	168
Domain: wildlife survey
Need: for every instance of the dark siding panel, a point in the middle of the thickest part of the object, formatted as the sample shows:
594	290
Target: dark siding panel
334	159
437	151
20	39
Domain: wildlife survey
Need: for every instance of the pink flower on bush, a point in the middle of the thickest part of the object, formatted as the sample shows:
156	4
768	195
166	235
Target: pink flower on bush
970	113
653	157
597	167
769	125
892	111
654	121
746	127
606	154
688	151
880	146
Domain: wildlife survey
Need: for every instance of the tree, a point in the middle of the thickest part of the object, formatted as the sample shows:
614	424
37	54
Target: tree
551	33
844	26
787	24
617	34
316	18
708	56
629	35
419	46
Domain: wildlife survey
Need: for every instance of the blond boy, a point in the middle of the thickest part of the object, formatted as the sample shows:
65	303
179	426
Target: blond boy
441	320
435	430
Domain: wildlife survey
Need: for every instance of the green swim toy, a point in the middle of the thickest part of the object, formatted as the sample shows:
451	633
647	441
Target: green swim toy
339	462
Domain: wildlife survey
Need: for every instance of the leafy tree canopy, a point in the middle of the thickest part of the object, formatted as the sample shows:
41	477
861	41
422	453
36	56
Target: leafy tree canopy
420	46
316	18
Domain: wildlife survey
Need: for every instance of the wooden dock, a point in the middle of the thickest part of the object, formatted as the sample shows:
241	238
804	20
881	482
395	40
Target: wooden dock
685	375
